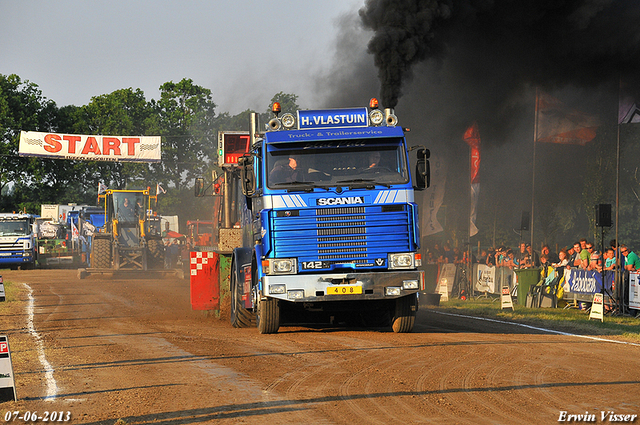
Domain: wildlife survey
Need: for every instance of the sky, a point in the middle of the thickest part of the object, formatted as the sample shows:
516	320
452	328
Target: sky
442	65
244	51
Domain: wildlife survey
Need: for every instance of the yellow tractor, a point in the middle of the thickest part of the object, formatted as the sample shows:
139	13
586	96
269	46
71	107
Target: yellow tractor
131	238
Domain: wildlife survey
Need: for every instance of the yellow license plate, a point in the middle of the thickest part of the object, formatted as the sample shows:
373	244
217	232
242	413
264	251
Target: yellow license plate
344	290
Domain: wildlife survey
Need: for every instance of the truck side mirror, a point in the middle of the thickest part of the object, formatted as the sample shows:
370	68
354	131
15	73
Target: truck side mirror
423	169
247	175
199	187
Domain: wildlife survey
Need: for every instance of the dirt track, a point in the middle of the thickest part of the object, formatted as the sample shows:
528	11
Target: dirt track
134	349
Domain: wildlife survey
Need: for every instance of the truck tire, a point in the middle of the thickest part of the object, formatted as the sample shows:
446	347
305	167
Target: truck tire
268	316
405	314
155	254
240	316
101	253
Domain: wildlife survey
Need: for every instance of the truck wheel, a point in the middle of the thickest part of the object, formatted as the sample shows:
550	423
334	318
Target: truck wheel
240	316
405	314
101	253
268	316
155	255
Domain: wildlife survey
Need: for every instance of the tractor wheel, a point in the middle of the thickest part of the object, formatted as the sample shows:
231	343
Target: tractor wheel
405	314
240	316
268	316
101	253
155	254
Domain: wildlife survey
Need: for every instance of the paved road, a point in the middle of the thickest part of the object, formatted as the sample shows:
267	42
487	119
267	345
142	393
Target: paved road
134	350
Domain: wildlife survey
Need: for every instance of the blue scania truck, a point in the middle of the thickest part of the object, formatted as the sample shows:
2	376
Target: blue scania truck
329	222
17	241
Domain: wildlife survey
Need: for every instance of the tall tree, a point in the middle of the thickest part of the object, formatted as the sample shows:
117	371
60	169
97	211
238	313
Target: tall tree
122	112
186	120
22	107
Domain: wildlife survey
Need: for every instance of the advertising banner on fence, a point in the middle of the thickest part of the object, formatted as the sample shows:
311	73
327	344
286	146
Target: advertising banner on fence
587	281
634	290
485	278
90	148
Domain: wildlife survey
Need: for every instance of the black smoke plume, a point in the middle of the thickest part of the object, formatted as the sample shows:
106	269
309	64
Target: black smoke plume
544	43
443	64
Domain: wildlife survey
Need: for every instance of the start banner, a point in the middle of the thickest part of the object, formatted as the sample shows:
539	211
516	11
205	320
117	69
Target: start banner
90	148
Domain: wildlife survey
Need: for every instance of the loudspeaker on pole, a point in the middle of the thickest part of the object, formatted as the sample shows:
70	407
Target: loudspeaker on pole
524	221
603	215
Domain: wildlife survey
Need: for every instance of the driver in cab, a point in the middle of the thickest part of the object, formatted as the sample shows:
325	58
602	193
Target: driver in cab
374	160
127	212
286	170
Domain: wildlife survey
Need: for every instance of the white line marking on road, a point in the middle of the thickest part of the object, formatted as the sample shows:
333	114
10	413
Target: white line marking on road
52	386
594	338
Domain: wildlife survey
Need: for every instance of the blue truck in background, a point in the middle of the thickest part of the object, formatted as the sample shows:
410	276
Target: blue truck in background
17	241
325	199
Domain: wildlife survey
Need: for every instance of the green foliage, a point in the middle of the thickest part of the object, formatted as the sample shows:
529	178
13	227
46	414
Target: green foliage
22	107
186	120
184	117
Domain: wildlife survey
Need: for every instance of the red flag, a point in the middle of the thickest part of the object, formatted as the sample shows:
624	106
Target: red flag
557	123
472	138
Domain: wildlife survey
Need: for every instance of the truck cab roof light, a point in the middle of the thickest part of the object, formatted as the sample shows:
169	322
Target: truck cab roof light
288	120
373	103
275	108
376	117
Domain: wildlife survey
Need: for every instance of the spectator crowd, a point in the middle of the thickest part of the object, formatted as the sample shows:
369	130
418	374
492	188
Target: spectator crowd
582	254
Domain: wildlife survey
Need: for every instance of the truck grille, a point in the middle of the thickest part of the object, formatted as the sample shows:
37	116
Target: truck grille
354	235
11	246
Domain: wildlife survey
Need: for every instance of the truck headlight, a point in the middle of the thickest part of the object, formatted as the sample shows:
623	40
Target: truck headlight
409	284
278	288
392	291
401	261
295	294
281	266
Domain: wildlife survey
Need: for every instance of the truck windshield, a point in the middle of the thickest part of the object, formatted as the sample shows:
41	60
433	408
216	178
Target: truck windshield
128	206
329	164
14	228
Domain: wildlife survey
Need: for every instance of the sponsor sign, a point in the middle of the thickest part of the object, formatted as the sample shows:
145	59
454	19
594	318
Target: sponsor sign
634	290
505	298
333	118
582	281
7	384
597	308
90	148
485	278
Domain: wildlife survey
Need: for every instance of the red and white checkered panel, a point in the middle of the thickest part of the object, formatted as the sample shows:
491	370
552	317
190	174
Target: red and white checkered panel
198	259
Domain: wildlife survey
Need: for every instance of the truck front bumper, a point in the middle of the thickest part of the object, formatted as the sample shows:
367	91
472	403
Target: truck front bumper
343	286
